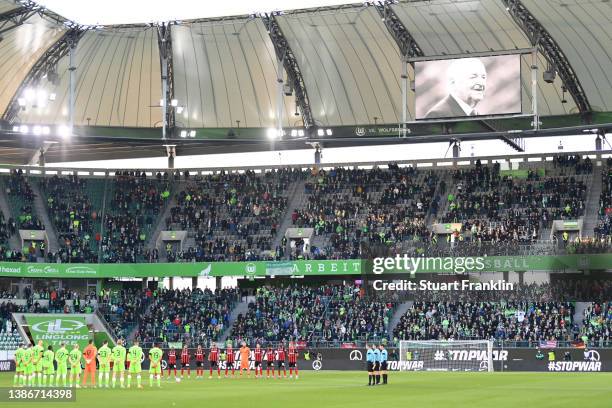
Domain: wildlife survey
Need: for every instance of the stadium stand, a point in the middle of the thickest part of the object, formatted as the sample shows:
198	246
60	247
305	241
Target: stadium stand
354	213
188	316
21	196
527	322
347	207
233	217
73	204
331	313
136	203
597	324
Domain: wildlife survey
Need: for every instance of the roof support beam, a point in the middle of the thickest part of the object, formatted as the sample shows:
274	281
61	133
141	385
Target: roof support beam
408	48
45	64
404	40
285	55
164	41
547	45
15	18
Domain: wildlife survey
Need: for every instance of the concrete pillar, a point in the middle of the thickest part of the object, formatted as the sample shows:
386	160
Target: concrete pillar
194	282
218	282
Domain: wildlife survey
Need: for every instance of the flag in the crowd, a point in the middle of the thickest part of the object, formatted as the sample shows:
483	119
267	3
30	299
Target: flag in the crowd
348	345
548	344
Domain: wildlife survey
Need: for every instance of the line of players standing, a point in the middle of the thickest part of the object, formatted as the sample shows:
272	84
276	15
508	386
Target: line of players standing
235	358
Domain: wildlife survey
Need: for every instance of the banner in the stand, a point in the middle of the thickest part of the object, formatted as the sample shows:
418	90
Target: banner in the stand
446	265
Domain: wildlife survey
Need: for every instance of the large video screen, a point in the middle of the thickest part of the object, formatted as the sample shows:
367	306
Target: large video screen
466	87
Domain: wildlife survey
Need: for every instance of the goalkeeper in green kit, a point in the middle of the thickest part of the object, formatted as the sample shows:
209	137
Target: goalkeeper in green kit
135	357
104	359
48	370
155	370
118	356
75	366
61	358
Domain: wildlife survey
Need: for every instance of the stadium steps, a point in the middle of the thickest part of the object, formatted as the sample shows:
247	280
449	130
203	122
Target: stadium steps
579	313
443	203
40	209
4	207
241	308
296	192
591	213
160	223
399	311
440	196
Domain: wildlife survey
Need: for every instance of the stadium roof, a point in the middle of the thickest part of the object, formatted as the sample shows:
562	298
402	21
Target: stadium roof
224	69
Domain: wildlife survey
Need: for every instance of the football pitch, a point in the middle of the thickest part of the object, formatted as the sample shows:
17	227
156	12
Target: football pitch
338	389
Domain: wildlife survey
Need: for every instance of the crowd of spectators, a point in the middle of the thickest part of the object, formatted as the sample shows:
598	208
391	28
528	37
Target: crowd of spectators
563	290
233	216
597	324
74	217
333	313
188	316
123	308
20	192
498	207
524	322
603	230
351	206
136	203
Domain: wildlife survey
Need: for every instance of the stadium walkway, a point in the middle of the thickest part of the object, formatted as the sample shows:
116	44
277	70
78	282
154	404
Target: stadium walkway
241	308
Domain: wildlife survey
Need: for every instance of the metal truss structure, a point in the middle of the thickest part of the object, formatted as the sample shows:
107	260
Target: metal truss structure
547	45
45	64
285	55
164	40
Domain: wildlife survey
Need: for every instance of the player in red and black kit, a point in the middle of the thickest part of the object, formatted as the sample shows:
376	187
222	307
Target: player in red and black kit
270	358
230	360
280	360
259	352
172	362
185	358
199	362
293	355
213	358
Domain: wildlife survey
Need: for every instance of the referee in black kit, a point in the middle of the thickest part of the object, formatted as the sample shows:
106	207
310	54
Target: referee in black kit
371	362
383	363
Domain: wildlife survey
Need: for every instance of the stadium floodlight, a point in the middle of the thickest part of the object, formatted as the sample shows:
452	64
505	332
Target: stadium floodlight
161	102
272	133
179	109
23	129
328	132
37	130
52	96
16	128
29	94
320	132
41	95
64	131
301	133
192	133
183	133
294	133
174	102
22	102
46	130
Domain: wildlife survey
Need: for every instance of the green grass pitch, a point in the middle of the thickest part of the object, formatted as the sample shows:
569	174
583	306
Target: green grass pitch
326	389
